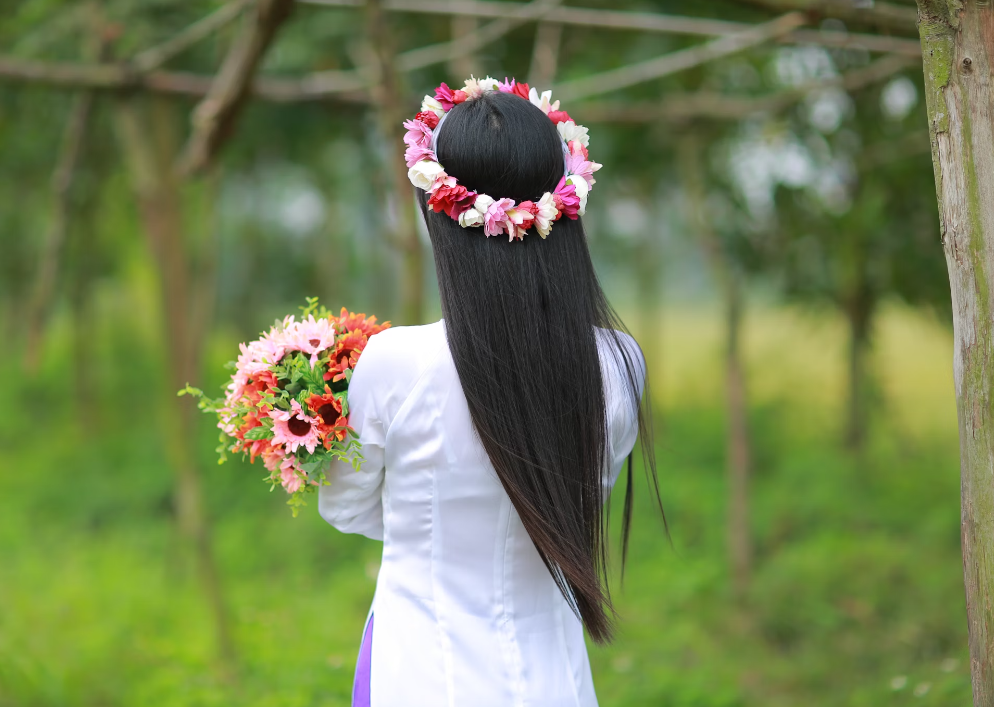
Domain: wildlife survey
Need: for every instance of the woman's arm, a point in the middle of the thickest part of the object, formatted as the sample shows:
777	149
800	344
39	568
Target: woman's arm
352	501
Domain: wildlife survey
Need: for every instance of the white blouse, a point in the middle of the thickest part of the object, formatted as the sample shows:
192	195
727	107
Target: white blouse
466	614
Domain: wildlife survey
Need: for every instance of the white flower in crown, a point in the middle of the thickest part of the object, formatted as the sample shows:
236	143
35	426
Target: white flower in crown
581	188
472	88
546	214
470	218
488	84
482	203
430	104
544	101
570	131
424	173
477	215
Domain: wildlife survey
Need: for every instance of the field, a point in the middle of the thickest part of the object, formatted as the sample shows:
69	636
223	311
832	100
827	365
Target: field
856	598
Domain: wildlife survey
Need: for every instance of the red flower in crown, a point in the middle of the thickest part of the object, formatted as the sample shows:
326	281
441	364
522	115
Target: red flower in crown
559	116
450	197
521	89
428	118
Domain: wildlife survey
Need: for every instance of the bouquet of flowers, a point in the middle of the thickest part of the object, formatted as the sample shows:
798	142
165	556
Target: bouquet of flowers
287	400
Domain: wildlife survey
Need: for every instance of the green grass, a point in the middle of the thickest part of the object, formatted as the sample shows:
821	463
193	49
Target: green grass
856	597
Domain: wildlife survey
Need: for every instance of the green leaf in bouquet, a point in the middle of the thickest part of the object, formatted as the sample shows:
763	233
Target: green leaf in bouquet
231	365
190	390
311	308
260	432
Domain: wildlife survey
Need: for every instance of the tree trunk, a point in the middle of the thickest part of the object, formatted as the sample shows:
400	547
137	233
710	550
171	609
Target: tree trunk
739	448
389	99
958	51
160	210
859	314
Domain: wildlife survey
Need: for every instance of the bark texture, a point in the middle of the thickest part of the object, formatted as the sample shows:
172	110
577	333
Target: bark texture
958	49
214	119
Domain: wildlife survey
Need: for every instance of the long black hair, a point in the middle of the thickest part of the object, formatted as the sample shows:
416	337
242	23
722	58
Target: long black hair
522	324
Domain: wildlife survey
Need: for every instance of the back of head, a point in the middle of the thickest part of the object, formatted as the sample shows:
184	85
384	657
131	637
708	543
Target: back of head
521	320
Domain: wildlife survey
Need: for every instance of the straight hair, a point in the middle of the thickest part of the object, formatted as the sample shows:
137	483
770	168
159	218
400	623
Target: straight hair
523	321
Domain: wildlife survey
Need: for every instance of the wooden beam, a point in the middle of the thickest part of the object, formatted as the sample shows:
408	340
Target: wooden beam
635	21
679	60
467	43
154	57
215	117
718	106
882	15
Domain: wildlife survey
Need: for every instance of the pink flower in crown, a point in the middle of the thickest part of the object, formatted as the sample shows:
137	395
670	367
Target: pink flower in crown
291	479
577	148
444	95
312	336
566	199
415	153
294	428
418	133
506	86
518	220
577	164
495	219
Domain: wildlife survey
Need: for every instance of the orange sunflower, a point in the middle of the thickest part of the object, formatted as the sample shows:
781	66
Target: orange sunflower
332	425
349	322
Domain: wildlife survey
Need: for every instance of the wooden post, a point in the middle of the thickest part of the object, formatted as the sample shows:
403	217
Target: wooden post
389	98
738	443
142	135
957	39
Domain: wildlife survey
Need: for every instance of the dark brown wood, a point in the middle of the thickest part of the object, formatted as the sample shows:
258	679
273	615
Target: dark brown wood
215	117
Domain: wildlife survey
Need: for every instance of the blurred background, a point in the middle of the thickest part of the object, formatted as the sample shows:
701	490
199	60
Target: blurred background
765	222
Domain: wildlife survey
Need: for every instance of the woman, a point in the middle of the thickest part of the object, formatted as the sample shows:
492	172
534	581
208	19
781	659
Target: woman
492	438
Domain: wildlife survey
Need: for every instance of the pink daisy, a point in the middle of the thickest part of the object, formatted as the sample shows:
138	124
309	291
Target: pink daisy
311	336
294	429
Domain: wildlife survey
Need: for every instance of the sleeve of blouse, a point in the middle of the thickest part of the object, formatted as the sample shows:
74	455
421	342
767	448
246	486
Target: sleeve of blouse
622	410
352	501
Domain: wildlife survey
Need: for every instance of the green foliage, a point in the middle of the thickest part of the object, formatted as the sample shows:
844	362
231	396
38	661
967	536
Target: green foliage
856	599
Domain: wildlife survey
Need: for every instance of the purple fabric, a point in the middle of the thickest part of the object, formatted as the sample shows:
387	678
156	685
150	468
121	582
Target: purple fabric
360	688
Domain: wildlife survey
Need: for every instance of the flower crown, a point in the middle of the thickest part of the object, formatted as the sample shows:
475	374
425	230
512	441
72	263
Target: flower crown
497	216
